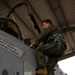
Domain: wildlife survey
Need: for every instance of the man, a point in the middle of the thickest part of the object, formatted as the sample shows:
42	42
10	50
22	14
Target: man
53	47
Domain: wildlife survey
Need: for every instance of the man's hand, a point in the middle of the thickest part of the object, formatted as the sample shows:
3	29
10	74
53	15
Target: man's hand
32	45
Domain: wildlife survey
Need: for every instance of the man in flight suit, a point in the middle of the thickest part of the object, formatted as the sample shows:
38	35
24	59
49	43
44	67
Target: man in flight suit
53	47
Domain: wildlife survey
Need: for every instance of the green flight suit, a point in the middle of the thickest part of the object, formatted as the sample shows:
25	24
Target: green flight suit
53	47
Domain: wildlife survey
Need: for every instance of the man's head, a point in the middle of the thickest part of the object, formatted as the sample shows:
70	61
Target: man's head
46	23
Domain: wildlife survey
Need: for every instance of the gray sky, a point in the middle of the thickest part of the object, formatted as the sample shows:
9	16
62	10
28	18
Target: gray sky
68	65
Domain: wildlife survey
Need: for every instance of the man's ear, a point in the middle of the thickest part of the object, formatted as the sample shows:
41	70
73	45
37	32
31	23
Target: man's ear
49	24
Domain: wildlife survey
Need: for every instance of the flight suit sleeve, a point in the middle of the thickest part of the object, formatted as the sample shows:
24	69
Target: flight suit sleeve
42	36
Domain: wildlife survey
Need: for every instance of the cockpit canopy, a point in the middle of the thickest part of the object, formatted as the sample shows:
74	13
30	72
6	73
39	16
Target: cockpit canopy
10	27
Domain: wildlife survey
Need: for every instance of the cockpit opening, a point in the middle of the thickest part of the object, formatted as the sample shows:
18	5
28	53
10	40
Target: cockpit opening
10	27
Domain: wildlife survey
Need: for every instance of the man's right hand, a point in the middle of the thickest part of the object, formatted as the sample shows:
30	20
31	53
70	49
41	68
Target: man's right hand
32	45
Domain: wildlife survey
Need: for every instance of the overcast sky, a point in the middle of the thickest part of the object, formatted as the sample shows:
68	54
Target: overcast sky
68	65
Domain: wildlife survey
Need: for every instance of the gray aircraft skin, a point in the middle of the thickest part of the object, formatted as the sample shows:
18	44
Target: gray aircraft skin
16	58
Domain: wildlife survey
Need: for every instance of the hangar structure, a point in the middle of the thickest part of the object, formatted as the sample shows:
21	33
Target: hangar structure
30	13
61	12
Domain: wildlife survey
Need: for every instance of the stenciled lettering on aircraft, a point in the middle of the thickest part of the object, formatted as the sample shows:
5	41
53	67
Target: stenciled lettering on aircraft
13	49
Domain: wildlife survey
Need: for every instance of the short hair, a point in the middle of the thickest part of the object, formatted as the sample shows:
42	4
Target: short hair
47	21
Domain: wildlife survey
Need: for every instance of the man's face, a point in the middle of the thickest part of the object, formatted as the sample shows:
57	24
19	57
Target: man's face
45	25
